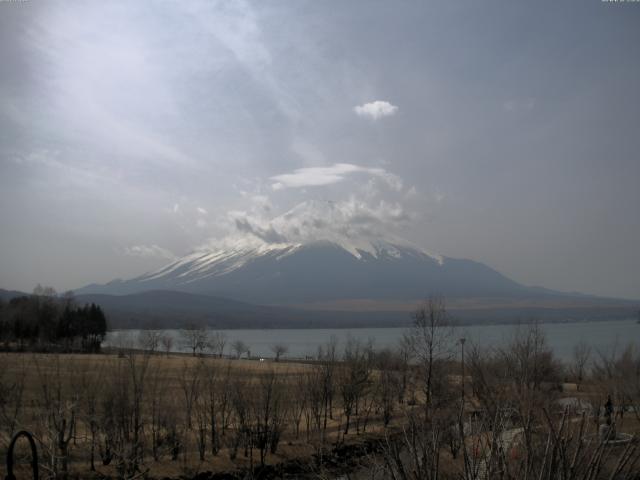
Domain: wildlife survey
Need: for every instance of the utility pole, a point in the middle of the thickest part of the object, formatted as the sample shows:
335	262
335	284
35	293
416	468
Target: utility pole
462	340
461	414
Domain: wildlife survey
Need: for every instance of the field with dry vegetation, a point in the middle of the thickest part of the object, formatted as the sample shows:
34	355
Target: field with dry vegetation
426	410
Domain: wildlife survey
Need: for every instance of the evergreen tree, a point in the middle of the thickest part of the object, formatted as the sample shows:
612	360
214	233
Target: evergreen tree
49	321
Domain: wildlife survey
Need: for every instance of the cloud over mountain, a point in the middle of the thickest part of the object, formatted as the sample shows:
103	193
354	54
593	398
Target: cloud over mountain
376	110
321	176
149	251
352	221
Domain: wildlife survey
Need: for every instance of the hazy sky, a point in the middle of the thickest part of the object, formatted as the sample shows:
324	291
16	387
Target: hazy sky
507	132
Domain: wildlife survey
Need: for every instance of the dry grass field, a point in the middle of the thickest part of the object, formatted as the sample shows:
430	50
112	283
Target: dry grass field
132	414
40	392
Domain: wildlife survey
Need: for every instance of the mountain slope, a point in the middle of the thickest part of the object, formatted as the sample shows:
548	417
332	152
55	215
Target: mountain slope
170	309
320	271
7	295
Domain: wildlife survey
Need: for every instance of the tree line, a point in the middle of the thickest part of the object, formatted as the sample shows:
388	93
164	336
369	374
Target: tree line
45	321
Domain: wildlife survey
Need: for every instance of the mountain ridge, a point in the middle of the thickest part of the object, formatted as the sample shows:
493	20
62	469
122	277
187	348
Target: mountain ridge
160	309
255	284
290	273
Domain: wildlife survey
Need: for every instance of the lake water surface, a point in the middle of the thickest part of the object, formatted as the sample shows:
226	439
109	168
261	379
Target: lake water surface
562	337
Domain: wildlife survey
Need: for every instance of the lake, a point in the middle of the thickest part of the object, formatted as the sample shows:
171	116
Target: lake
562	337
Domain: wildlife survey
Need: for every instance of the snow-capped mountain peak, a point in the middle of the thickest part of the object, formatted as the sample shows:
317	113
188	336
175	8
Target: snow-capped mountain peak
256	271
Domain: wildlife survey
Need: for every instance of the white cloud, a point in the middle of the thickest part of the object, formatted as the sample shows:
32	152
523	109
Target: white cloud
201	211
376	110
350	220
149	251
320	176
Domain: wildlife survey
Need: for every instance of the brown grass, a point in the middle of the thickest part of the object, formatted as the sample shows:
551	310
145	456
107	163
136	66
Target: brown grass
78	369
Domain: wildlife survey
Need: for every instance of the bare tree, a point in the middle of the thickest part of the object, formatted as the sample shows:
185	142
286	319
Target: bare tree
91	383
353	379
416	454
158	409
386	393
268	414
298	402
404	357
59	409
167	343
190	383
328	358
137	369
224	399
12	391
516	435
195	339
316	393
618	375
581	356
430	340
149	340
240	404
122	415
217	343
213	403
202	417
239	347
278	350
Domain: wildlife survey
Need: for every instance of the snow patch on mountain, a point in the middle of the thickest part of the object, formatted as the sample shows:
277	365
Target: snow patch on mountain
226	257
335	268
218	260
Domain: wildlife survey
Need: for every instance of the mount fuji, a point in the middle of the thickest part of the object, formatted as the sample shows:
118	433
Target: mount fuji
251	283
320	271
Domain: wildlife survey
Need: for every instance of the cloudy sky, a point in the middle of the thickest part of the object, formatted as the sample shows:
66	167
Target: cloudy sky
506	132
